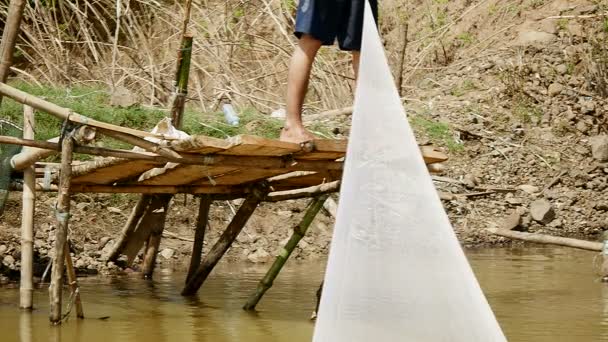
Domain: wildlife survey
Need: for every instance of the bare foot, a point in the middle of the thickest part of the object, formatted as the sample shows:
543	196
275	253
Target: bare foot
296	135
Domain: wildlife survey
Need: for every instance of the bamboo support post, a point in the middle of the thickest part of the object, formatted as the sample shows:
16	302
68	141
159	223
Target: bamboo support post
157	225
199	235
226	239
129	227
62	214
73	283
182	76
26	287
605	258
298	233
547	239
9	37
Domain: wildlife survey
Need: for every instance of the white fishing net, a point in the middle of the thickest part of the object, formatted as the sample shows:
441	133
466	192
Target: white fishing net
396	271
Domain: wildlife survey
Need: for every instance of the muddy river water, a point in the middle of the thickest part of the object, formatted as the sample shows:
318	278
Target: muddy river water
538	294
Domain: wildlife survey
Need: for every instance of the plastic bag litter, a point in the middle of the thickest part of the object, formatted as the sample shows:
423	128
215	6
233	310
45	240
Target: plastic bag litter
164	127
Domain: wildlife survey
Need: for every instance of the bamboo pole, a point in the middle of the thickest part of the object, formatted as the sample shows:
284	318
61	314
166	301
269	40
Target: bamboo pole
225	241
157	226
547	239
62	214
68	114
9	37
298	233
26	287
199	235
129	227
72	281
84	135
181	87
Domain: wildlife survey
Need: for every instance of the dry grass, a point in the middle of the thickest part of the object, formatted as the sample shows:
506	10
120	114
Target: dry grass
241	48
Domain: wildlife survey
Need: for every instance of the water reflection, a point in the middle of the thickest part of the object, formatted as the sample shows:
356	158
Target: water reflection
538	295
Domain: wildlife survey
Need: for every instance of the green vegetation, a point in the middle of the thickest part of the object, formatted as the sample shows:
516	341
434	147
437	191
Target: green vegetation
437	132
527	112
466	38
95	103
562	24
463	88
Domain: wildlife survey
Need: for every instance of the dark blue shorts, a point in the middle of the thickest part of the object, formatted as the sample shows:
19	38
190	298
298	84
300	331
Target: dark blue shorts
327	20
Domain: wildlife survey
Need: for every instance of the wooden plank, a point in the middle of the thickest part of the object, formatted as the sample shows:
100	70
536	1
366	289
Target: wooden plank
200	144
242	176
179	174
249	145
110	170
325	149
308	180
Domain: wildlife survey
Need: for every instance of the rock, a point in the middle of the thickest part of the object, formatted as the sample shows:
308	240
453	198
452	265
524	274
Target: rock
582	126
529	189
512	221
535	37
3	249
103	242
167	253
114	210
599	147
555	89
561	69
542	211
8	260
259	256
122	97
80	263
469	181
588	107
81	205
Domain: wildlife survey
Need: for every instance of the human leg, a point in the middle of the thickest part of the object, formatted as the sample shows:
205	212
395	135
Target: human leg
297	87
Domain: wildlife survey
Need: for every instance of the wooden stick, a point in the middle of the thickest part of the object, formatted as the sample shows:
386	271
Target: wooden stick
9	37
62	214
225	241
65	113
547	239
298	233
303	193
157	220
129	227
72	282
26	287
199	235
